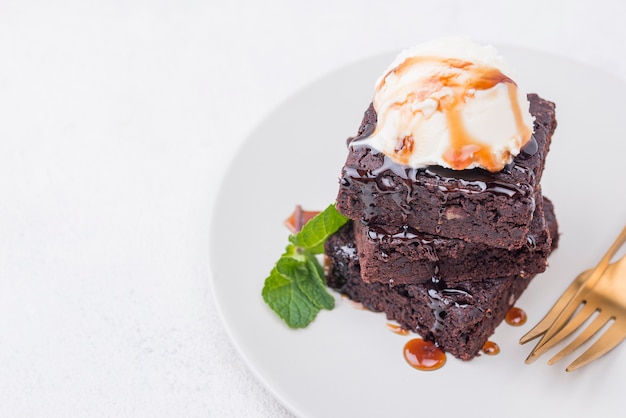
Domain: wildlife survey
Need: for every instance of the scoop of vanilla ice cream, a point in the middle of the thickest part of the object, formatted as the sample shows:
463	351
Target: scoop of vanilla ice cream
450	102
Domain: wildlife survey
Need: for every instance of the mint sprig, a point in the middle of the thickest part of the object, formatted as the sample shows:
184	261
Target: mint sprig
295	288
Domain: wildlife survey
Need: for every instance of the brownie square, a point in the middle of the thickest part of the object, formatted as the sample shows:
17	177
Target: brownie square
404	255
474	205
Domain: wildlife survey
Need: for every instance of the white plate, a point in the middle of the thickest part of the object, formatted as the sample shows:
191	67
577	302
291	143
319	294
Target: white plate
346	363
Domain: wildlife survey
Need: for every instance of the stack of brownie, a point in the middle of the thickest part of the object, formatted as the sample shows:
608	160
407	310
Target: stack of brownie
444	253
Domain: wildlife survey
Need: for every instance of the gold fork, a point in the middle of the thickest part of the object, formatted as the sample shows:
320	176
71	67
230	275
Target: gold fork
544	325
601	290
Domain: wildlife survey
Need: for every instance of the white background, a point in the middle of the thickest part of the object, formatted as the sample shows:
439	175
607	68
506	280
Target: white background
117	120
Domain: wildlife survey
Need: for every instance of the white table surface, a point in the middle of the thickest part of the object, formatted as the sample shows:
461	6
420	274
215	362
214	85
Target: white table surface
117	120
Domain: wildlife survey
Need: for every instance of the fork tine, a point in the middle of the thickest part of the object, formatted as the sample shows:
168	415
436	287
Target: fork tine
546	325
588	332
576	319
558	306
609	340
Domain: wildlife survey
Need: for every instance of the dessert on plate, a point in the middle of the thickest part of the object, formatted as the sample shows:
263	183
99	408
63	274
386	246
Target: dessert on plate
459	317
442	185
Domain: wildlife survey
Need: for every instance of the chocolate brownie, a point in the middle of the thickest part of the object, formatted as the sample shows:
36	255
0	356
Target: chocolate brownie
474	205
406	256
459	318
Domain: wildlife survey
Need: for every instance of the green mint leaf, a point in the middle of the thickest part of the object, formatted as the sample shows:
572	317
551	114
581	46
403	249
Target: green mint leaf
295	290
296	287
314	285
315	232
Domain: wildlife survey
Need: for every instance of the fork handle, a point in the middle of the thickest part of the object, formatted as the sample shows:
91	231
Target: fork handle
597	272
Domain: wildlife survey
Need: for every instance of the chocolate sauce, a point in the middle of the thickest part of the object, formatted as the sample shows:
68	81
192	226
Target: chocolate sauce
406	233
442	297
530	148
473	181
403	184
409	236
470	181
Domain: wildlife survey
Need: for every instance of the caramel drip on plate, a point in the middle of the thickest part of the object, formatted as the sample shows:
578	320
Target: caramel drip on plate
516	317
490	348
397	329
423	354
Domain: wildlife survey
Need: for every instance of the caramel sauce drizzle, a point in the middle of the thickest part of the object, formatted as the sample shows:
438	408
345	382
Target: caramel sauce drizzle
424	355
464	148
397	329
354	304
515	317
490	348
